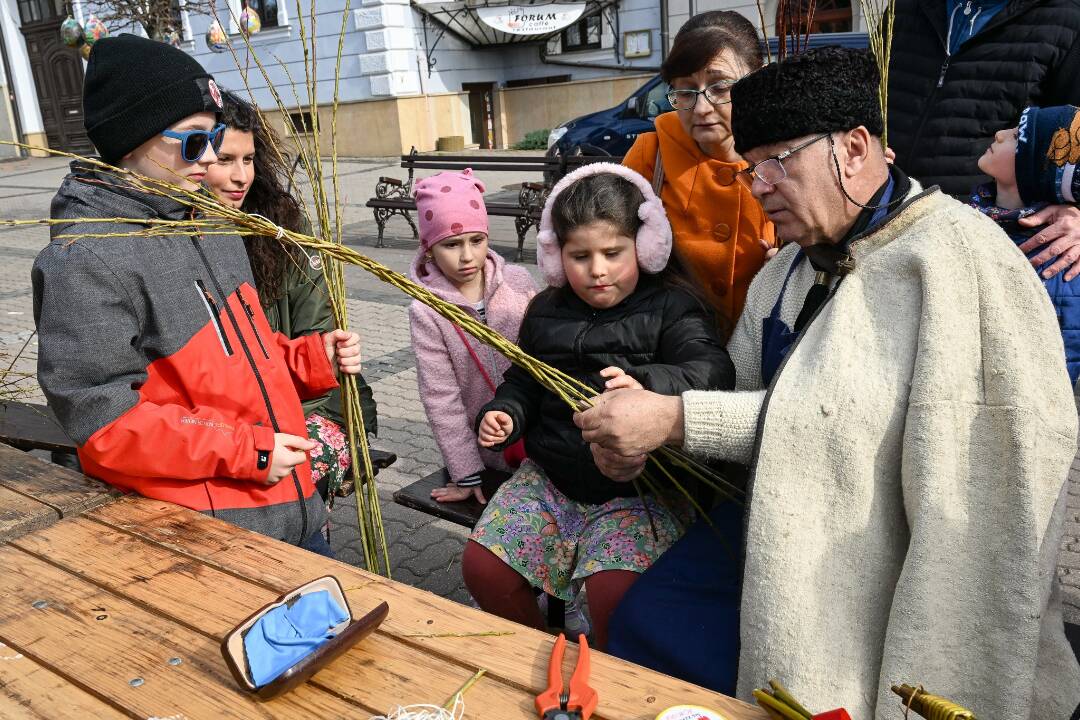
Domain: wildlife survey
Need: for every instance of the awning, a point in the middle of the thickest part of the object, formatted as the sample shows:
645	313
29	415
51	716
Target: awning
484	23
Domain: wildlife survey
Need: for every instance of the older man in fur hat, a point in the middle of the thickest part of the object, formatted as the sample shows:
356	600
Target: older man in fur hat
904	406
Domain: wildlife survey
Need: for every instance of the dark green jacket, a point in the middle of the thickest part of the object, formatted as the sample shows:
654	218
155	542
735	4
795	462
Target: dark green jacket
304	308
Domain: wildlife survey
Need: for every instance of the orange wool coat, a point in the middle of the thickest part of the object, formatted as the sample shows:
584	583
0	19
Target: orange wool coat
716	226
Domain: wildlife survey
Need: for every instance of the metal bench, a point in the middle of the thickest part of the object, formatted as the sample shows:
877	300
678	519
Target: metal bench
28	426
394	196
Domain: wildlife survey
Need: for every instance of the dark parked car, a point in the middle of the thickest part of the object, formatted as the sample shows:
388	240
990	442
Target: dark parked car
612	131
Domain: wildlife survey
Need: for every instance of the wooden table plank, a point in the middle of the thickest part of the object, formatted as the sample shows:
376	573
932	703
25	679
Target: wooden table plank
118	641
20	514
379	672
29	690
520	659
66	491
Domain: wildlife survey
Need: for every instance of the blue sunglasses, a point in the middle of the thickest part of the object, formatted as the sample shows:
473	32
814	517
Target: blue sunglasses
193	143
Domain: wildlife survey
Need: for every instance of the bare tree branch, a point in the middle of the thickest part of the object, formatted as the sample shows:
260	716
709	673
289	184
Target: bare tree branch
156	17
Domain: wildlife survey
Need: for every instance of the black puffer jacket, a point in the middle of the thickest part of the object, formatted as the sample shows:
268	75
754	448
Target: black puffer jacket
660	335
944	111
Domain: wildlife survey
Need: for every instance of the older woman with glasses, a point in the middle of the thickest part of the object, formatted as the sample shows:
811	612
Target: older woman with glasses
721	233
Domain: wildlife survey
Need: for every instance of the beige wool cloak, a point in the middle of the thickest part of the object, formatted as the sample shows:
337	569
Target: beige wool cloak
907	493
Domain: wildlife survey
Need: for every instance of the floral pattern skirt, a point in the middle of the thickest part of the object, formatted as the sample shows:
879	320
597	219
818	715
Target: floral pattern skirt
555	542
330	459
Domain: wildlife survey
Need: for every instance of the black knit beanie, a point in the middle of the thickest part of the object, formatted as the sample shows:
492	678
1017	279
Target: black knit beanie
827	89
1047	151
136	87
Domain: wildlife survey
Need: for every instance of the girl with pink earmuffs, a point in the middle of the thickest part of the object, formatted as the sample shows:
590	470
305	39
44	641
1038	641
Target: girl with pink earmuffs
615	315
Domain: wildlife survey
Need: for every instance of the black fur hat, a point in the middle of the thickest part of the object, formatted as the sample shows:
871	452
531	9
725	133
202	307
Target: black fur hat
822	90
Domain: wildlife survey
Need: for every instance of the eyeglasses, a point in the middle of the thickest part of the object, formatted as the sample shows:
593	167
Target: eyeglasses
771	170
718	94
193	143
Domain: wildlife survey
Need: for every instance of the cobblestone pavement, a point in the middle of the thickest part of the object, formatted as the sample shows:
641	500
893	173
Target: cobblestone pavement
424	552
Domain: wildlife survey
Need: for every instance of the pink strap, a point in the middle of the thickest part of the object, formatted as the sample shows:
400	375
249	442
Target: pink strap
475	357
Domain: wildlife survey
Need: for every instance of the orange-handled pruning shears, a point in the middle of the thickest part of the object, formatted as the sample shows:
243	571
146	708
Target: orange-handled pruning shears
577	704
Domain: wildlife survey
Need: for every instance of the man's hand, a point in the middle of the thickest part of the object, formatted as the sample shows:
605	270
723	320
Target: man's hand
618	379
289	451
1061	239
344	346
617	467
632	422
495	428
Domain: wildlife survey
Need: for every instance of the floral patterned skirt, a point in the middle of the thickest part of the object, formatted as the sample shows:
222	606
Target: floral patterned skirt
330	459
554	542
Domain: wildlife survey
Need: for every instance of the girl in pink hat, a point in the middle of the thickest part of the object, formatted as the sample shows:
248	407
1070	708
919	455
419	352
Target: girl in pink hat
456	373
614	316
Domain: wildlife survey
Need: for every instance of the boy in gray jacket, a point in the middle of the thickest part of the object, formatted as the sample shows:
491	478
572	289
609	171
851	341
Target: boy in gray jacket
154	351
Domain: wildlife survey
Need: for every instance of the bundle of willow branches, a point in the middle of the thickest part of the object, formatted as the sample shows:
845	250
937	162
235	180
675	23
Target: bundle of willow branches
879	15
574	393
328	224
211	217
780	704
324	245
794	19
930	706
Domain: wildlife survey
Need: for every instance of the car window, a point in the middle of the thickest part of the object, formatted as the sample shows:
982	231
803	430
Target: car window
656	101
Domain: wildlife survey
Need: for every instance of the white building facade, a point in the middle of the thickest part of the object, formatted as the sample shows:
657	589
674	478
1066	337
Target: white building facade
393	49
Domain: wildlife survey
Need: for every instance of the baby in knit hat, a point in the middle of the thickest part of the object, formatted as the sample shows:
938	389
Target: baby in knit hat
1034	165
456	373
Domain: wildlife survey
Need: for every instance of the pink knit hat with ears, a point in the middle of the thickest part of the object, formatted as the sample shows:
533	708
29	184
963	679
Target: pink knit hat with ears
653	242
449	203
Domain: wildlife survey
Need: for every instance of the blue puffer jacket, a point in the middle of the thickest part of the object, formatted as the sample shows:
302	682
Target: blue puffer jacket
1065	295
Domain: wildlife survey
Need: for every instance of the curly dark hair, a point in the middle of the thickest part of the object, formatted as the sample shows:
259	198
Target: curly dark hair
267	197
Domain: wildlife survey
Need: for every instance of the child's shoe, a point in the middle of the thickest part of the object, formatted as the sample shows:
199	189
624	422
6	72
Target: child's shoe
577	619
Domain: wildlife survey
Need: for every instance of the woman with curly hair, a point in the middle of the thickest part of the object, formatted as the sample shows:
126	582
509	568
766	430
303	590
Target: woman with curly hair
249	174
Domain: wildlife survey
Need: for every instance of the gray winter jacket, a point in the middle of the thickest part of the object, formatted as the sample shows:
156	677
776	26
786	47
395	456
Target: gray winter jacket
157	358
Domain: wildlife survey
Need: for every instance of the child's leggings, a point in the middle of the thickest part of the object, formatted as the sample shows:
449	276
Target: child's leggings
500	590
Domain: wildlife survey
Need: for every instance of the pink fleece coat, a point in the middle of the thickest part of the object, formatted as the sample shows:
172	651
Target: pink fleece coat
451	386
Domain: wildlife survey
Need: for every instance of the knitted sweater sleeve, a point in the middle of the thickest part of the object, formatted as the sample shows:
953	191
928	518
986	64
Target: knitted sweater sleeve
723	425
441	395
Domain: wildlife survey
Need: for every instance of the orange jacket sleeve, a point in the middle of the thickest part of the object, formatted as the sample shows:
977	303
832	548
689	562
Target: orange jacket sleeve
311	371
171	441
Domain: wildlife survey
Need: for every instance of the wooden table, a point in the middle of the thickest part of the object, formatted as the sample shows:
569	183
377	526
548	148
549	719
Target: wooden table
115	607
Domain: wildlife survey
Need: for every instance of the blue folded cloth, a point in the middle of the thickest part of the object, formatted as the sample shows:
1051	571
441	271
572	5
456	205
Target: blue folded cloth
287	634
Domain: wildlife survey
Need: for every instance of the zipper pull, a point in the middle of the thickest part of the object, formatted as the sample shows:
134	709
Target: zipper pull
967	8
944	69
247	308
206	294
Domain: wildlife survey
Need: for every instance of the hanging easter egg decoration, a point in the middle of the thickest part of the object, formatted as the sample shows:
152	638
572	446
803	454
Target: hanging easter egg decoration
250	23
169	37
216	39
84	50
95	30
71	32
